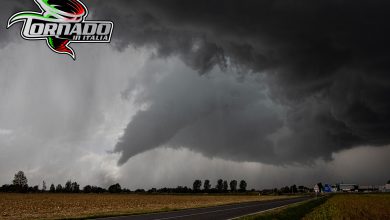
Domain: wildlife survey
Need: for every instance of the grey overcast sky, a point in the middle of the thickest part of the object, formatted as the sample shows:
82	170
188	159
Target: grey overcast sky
275	92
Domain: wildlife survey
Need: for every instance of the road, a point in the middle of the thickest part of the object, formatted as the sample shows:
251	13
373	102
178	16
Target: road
213	213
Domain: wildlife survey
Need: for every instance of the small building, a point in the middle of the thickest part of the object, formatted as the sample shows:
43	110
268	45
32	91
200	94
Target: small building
369	188
384	188
387	188
348	187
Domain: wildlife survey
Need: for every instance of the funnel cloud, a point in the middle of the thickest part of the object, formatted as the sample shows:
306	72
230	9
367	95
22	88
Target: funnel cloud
323	63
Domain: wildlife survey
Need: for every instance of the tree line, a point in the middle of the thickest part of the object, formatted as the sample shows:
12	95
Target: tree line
20	185
221	186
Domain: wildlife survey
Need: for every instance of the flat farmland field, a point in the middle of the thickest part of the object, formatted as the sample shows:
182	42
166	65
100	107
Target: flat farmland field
60	206
353	206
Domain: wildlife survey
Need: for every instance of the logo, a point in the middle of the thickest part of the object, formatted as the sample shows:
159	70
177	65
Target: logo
60	23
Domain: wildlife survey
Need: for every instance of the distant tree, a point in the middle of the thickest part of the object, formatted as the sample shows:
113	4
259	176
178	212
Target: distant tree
59	188
87	189
225	186
34	189
302	189
126	190
243	186
96	189
293	189
196	185
206	185
52	188
139	191
75	187
219	185
20	182
7	188
233	185
68	186
116	188
320	186
44	186
285	189
338	187
179	189
152	190
20	179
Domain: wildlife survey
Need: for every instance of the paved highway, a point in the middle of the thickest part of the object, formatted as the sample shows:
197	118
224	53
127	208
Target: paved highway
213	213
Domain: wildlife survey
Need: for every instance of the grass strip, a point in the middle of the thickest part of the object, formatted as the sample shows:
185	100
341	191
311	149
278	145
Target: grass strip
291	212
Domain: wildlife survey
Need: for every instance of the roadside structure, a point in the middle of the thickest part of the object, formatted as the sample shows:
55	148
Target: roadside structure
348	187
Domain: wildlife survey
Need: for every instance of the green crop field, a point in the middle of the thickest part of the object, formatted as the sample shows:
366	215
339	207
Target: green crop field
333	207
353	206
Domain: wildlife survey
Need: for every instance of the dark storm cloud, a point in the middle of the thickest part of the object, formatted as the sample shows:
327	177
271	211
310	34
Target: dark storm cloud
327	62
216	115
